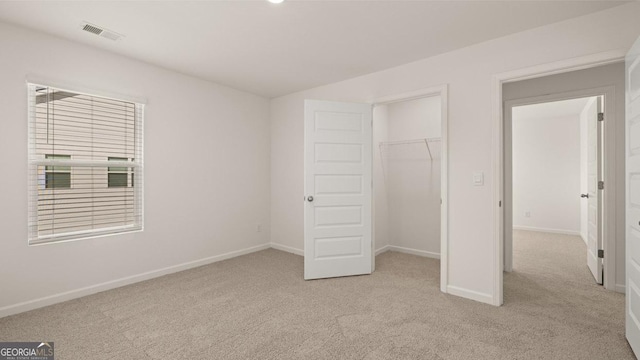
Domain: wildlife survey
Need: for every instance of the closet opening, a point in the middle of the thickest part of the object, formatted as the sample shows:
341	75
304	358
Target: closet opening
409	156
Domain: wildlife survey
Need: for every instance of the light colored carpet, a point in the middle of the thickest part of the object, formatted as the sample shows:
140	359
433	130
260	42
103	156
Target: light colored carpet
258	307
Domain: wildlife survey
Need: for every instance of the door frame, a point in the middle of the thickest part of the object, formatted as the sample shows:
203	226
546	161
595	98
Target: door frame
607	224
558	67
443	92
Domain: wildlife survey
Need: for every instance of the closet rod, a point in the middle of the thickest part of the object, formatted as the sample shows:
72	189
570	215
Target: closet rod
412	141
428	149
426	141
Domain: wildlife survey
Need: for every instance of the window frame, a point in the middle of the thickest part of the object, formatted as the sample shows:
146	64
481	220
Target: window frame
36	181
118	170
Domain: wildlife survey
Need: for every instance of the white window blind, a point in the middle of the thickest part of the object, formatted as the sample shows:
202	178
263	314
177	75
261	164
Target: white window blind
84	153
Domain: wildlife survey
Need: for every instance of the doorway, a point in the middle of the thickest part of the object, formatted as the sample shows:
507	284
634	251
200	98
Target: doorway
603	80
555	162
410	179
339	170
407	144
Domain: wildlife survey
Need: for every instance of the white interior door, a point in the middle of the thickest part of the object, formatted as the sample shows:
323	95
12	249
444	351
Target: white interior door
337	178
594	174
633	198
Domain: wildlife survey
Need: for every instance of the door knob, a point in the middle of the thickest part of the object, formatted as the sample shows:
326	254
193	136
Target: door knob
310	199
584	196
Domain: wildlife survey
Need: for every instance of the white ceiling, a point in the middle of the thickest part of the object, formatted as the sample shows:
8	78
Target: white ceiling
272	50
551	109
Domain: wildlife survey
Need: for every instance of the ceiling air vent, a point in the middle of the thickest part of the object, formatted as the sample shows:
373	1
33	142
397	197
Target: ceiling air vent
92	29
97	30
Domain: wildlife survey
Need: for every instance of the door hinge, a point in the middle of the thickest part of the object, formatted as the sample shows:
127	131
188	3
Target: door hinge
601	254
600	185
600	116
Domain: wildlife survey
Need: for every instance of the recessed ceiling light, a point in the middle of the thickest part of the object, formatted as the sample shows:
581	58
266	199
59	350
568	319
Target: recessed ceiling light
275	1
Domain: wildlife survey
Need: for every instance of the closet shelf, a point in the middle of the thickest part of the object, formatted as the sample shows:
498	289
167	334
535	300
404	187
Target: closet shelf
413	141
425	141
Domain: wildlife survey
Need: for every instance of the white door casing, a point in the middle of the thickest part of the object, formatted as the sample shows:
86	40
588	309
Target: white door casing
337	185
607	197
594	175
632	306
538	71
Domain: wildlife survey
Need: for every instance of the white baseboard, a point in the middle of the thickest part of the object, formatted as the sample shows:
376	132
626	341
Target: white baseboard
288	249
470	294
413	251
621	288
89	290
382	250
552	231
584	238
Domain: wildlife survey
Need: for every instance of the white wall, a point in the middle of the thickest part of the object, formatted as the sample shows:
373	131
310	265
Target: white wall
413	178
601	76
590	109
419	118
206	172
468	73
546	172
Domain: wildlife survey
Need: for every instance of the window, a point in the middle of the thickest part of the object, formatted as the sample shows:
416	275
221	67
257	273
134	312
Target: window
83	153
118	176
57	176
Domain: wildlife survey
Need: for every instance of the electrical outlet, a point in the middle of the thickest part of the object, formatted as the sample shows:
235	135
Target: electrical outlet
527	214
258	227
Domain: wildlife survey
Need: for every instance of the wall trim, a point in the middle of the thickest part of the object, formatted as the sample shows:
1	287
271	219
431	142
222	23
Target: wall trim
288	249
113	284
411	251
621	288
584	238
382	250
379	251
470	294
552	231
